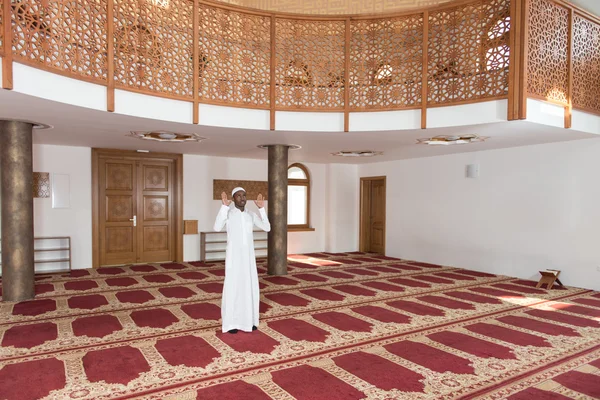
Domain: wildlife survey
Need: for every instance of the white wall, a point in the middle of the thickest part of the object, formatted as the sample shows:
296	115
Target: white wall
342	208
75	221
532	208
199	172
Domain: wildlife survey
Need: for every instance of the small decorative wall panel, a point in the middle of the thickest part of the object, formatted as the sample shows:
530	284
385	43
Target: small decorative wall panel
154	46
586	64
253	188
548	46
234	57
469	52
386	58
68	36
41	184
310	64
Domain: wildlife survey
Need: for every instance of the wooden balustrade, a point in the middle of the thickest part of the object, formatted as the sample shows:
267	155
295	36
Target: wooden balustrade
205	52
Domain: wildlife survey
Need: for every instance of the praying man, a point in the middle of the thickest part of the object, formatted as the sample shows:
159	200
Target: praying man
239	307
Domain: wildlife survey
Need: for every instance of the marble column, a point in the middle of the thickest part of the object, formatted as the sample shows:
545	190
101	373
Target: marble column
16	195
278	202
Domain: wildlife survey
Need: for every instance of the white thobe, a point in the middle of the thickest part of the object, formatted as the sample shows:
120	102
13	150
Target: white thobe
239	307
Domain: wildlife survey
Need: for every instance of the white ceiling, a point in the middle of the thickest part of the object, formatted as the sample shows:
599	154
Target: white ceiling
592	6
76	126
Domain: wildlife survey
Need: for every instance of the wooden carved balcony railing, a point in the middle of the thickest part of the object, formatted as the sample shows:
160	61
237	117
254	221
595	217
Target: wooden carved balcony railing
206	52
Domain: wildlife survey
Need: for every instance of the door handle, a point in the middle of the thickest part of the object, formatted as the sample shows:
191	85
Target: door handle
134	220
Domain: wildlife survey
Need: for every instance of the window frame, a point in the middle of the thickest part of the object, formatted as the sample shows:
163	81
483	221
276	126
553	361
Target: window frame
305	183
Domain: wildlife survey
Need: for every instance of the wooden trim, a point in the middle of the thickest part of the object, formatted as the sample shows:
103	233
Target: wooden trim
578	10
36	64
347	77
295	228
425	69
547	100
361	229
95	211
302	182
110	58
337	17
7	59
196	63
177	193
273	93
153	93
471	101
379	109
524	54
514	61
178	189
569	107
587	110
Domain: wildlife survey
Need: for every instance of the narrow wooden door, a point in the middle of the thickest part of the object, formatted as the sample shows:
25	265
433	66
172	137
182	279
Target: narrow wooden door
135	210
377	225
372	214
117	192
155	218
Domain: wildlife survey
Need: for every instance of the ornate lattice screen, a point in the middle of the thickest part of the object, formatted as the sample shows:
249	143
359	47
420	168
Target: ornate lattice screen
68	36
468	52
154	46
234	57
309	72
548	46
386	58
586	64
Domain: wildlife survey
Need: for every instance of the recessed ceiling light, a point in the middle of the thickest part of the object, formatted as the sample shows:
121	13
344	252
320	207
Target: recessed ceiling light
291	146
165	136
447	140
357	153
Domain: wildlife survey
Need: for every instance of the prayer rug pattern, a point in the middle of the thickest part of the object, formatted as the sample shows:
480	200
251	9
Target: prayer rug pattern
338	326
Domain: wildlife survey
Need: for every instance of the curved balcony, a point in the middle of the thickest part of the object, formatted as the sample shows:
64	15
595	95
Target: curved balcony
207	53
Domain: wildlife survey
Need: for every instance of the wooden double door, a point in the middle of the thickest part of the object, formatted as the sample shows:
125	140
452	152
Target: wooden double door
372	214
137	207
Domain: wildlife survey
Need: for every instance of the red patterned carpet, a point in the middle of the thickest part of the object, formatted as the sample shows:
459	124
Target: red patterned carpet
339	326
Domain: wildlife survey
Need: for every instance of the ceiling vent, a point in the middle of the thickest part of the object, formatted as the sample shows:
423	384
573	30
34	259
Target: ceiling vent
357	153
447	140
166	136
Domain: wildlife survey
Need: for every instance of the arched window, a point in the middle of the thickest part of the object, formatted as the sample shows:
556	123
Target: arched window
298	197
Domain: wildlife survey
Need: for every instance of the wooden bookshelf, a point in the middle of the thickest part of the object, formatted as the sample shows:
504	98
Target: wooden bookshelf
51	250
213	245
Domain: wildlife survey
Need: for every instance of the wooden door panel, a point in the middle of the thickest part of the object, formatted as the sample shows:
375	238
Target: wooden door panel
119	175
156	208
156	177
119	239
155	222
156	238
117	206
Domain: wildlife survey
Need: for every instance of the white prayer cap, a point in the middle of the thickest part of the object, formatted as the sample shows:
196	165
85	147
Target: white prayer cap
237	189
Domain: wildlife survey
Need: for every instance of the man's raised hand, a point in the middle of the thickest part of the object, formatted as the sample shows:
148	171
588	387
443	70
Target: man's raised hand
259	201
224	199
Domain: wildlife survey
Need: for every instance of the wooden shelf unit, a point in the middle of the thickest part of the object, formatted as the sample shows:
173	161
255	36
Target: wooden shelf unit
214	244
63	256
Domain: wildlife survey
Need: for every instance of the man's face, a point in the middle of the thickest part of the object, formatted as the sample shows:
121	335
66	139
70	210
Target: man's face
239	199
